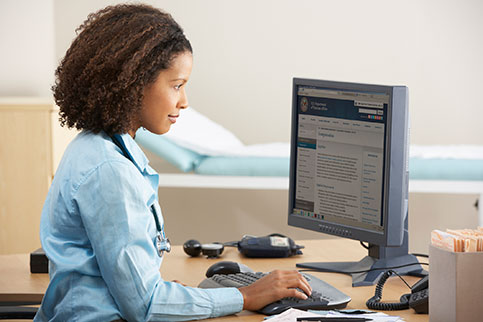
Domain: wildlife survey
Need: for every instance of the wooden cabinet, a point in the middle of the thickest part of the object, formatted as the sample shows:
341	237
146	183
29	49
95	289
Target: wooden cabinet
32	143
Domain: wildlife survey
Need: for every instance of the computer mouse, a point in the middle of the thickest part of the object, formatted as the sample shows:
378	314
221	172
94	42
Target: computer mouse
227	267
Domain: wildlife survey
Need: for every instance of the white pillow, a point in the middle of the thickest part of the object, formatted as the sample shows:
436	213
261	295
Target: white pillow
196	132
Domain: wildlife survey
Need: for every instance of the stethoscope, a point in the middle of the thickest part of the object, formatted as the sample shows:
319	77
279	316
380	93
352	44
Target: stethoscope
162	243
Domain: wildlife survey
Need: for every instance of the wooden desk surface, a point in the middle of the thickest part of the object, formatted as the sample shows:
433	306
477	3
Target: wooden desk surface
16	282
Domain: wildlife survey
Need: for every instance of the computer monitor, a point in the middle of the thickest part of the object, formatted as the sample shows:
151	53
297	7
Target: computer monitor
349	172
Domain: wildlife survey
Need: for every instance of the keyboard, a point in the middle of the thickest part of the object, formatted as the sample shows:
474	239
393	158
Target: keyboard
324	296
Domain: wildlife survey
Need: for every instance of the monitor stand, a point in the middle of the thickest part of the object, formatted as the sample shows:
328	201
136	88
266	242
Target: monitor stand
379	258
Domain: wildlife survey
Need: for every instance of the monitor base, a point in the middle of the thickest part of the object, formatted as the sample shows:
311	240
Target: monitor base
370	263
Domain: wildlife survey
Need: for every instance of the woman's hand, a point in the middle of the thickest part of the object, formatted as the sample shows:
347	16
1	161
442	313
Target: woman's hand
273	287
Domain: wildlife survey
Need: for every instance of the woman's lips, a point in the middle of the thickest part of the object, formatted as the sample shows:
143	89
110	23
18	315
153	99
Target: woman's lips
172	118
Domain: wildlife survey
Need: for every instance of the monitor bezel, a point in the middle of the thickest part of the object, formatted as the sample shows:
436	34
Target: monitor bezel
395	173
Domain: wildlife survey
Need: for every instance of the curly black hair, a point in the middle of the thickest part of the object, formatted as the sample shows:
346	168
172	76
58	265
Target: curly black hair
118	51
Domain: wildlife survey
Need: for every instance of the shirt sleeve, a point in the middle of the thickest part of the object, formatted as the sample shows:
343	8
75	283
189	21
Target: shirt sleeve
114	206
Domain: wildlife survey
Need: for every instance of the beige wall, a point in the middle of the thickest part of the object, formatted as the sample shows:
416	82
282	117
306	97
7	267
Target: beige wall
27	47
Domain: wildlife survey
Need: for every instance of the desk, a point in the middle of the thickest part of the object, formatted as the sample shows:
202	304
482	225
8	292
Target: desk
16	282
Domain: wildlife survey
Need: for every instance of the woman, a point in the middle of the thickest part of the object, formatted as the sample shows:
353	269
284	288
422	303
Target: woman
101	224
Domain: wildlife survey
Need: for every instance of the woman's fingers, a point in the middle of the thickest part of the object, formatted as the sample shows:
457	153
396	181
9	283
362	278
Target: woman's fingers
275	286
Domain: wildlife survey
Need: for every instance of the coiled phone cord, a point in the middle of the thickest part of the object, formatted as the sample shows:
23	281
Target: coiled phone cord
375	303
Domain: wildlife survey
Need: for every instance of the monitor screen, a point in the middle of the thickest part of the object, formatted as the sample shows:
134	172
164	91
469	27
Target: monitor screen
349	162
340	156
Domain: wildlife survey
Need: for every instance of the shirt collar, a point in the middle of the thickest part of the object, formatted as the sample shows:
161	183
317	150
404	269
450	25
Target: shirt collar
134	151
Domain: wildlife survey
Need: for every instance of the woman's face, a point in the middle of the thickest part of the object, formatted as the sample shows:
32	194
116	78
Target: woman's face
164	98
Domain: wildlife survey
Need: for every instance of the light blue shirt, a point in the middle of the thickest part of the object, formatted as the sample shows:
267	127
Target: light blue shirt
99	233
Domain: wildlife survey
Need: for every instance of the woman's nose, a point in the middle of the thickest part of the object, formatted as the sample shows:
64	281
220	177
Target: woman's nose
183	101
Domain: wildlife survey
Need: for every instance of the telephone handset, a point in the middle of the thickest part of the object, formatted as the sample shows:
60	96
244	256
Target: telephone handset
418	299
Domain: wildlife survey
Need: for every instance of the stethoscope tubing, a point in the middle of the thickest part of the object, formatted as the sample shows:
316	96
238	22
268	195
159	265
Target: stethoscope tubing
162	243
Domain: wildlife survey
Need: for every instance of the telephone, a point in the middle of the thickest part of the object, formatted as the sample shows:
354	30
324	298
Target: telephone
418	299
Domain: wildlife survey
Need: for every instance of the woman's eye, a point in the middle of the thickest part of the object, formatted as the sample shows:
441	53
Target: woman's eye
177	87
